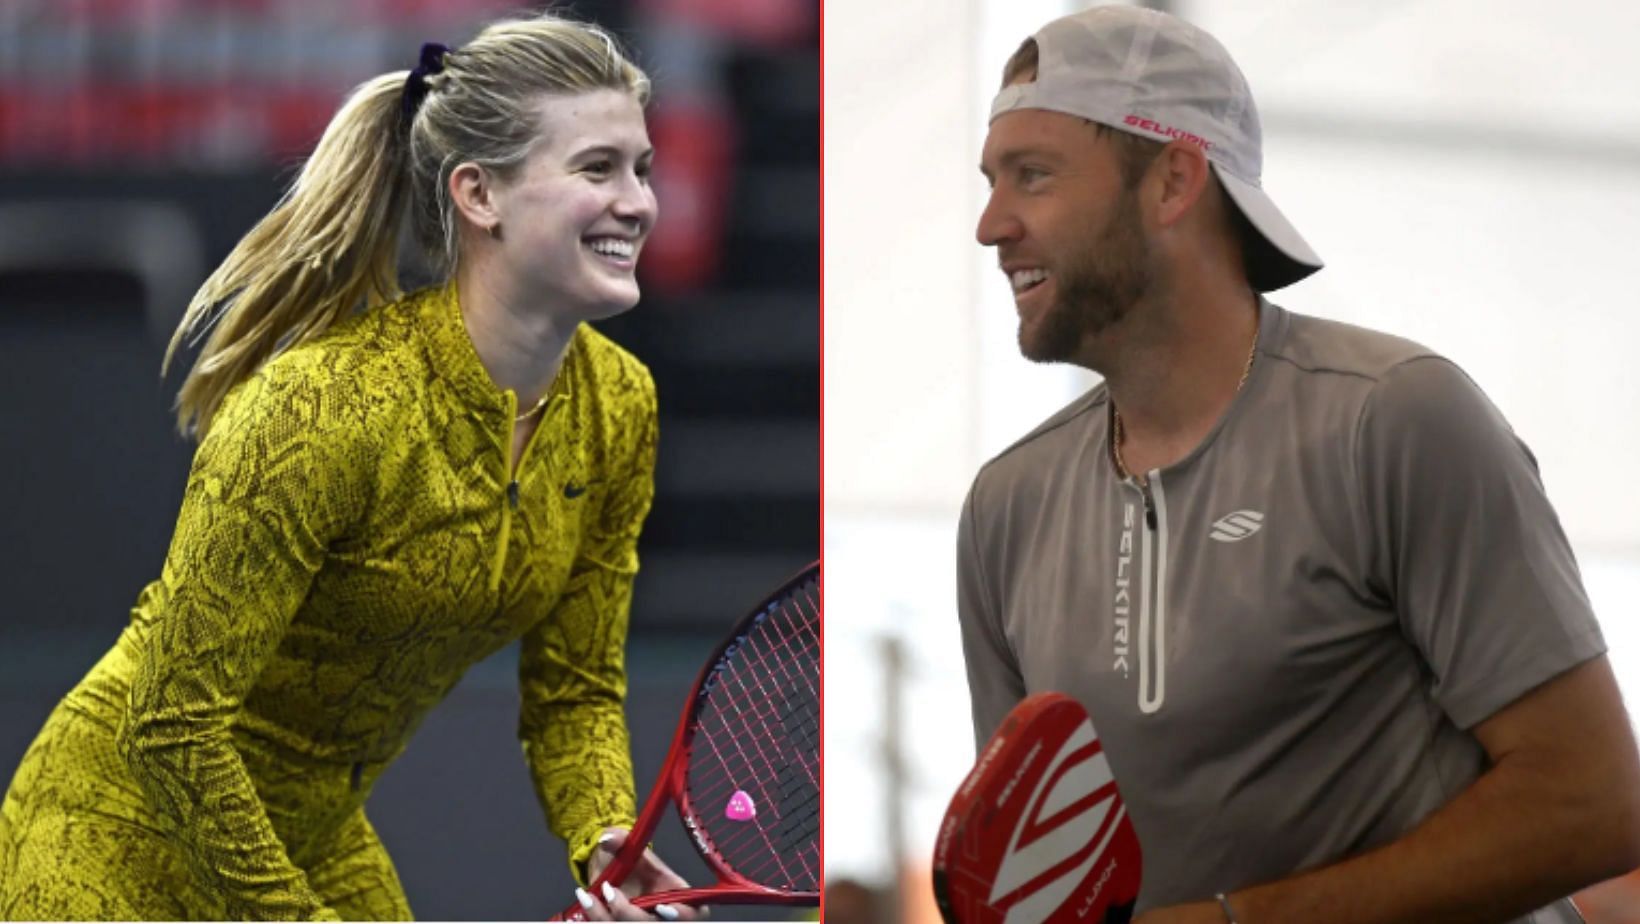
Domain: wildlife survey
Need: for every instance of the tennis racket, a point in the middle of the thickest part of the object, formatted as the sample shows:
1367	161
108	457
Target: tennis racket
1037	834
744	769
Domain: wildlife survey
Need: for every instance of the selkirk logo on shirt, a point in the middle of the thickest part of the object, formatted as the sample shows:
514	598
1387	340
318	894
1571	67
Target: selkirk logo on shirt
1234	527
1124	595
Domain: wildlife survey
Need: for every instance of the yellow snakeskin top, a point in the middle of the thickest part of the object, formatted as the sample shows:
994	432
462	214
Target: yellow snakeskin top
350	542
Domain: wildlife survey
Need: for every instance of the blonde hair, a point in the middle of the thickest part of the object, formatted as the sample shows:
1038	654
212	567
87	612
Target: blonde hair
330	246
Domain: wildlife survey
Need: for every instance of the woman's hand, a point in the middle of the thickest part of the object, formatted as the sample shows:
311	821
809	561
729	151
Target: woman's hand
648	876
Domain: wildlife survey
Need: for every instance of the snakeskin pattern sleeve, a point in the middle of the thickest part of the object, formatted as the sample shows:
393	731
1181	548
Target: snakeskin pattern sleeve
273	483
572	674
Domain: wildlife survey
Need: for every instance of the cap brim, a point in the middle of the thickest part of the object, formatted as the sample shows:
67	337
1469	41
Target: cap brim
1282	257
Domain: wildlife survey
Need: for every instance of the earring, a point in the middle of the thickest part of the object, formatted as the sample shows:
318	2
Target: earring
495	231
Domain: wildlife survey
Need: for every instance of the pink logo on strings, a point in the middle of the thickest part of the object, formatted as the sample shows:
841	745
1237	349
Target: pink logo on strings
740	807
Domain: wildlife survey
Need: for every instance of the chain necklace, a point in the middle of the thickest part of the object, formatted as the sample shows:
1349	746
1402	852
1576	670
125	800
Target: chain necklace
534	410
1116	436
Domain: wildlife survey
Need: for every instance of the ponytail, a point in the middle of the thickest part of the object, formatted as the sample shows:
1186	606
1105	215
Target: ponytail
328	248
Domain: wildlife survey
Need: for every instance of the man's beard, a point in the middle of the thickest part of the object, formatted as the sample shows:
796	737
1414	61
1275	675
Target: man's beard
1095	289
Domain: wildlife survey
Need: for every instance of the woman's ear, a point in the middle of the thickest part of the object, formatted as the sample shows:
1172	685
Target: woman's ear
473	190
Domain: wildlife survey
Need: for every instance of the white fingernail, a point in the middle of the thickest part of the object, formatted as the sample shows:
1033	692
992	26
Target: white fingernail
606	838
585	899
667	911
609	892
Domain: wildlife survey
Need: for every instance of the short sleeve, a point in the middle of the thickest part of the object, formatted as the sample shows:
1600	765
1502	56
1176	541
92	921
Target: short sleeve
1466	542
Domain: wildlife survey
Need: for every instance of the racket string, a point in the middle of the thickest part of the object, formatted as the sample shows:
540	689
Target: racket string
759	734
777	849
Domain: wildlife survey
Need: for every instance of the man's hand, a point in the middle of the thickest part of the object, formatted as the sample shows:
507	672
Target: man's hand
649	875
1193	913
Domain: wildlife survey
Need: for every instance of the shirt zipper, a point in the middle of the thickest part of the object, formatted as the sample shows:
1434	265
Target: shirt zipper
512	492
1153	660
511	498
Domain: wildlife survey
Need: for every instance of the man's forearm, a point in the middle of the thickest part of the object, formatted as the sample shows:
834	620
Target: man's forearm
1514	841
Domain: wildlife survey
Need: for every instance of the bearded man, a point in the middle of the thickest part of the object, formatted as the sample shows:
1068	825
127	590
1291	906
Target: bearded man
1303	575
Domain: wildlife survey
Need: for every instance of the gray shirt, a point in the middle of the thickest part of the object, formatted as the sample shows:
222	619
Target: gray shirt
1283	642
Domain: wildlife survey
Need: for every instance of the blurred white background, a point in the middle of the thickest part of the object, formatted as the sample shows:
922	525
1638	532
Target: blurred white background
1470	170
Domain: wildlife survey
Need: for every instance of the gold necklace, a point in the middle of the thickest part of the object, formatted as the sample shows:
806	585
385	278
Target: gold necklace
534	410
1116	435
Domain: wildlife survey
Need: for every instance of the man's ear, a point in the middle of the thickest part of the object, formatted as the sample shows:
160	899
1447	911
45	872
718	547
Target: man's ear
1184	175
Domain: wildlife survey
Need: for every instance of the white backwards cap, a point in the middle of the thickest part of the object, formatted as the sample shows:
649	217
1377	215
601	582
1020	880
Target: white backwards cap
1156	76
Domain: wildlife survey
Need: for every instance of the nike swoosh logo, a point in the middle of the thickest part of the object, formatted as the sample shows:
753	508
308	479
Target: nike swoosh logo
572	491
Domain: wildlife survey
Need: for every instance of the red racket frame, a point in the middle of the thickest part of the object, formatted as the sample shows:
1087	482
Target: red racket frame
730	888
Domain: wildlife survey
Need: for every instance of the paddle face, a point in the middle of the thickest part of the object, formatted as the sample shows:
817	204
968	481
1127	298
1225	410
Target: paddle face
1038	832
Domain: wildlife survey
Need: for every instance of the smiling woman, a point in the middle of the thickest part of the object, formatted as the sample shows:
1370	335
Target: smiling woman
575	212
369	513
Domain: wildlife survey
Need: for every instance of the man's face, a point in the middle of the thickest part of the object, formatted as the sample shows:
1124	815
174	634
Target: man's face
1066	228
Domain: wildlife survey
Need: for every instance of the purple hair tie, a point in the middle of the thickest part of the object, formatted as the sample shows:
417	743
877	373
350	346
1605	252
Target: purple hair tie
415	85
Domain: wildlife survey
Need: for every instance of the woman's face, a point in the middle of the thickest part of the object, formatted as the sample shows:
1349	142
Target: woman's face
574	219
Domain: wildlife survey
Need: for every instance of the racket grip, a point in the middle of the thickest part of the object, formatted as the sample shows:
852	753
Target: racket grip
613	873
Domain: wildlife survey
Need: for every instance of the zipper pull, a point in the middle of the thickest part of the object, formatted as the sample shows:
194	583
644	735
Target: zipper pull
512	494
1150	507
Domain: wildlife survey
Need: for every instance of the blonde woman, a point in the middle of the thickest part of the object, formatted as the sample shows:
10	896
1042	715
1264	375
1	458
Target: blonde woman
387	489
